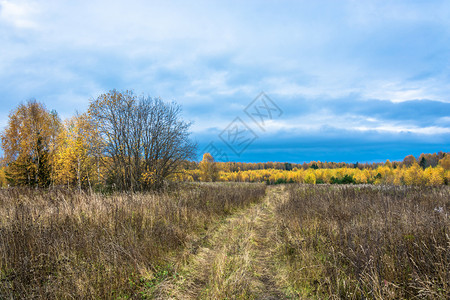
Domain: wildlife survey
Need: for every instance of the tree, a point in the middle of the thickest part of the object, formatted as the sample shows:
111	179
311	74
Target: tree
434	176
288	166
144	138
29	143
3	182
314	166
208	168
310	178
423	161
445	162
414	175
78	156
409	160
388	163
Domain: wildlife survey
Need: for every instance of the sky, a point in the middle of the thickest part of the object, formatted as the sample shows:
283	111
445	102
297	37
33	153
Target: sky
288	81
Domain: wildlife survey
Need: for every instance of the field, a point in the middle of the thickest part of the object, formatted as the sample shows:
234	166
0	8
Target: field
381	242
64	244
227	241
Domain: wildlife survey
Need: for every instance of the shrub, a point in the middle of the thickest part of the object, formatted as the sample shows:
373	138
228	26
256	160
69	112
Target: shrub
347	179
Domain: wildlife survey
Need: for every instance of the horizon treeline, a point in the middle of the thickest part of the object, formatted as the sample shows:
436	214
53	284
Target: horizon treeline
427	170
424	160
123	141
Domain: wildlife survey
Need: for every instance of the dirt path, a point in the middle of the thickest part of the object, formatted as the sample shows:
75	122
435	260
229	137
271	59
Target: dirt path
236	262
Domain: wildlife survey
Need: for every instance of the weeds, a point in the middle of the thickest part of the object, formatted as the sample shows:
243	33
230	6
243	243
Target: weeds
366	242
327	241
64	244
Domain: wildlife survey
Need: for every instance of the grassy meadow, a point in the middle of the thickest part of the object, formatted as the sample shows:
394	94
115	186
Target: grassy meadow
366	242
227	241
61	244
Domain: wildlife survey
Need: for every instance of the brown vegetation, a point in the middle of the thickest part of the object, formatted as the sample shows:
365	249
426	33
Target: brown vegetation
366	242
221	241
61	244
236	262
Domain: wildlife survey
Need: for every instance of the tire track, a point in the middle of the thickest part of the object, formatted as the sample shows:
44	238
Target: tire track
237	260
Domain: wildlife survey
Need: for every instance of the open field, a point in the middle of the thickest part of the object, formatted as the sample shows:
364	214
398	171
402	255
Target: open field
63	244
227	241
381	242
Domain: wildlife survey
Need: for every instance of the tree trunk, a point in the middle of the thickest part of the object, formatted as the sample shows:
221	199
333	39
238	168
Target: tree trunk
78	174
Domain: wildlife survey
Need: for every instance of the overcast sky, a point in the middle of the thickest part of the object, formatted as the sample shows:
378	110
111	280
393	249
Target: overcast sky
352	80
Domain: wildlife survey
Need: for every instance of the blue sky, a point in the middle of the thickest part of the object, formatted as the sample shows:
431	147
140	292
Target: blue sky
355	80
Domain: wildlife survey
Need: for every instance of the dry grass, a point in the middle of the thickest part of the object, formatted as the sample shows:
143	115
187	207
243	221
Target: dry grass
62	244
366	242
332	242
235	263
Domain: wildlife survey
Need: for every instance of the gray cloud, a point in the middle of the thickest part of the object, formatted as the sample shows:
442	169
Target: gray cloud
378	68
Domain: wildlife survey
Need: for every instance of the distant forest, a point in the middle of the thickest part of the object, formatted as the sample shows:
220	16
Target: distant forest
425	160
427	169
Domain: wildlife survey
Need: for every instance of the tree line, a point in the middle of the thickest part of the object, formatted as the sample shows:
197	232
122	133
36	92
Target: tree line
406	174
123	141
424	160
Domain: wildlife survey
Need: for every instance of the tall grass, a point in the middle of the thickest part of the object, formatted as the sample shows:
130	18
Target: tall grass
366	242
63	244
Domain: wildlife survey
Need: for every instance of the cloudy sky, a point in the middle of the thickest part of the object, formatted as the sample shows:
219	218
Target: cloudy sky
344	80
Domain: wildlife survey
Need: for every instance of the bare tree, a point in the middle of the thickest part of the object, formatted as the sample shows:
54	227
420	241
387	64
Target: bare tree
145	138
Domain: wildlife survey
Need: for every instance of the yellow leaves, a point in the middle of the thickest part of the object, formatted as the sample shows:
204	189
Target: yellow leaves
208	168
445	162
388	163
310	178
447	176
74	160
360	177
148	177
3	182
29	144
414	175
434	176
28	125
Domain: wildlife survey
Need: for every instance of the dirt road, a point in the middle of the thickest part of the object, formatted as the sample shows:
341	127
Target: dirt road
237	259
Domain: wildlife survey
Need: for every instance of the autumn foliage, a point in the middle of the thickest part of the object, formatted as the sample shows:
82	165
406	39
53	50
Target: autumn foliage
408	172
122	142
30	143
126	142
208	168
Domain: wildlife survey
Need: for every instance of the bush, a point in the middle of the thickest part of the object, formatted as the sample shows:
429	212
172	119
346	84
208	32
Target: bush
347	179
280	181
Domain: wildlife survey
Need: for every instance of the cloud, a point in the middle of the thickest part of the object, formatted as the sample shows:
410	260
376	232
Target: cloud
351	65
333	144
20	14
